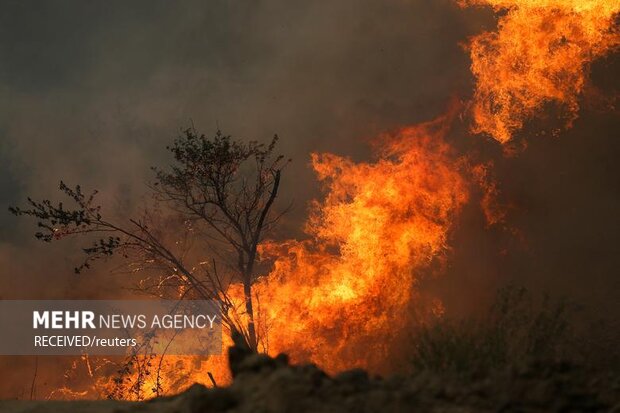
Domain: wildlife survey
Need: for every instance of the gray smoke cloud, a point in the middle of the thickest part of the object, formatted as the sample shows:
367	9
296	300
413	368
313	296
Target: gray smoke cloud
92	92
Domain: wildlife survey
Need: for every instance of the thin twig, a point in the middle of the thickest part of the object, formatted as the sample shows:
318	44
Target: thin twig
34	378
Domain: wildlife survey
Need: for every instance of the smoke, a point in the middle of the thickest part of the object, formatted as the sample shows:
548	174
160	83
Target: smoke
91	93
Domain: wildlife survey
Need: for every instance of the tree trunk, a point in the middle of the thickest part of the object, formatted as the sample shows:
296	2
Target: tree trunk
247	289
248	270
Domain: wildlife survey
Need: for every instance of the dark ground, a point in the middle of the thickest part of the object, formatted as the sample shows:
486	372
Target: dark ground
264	384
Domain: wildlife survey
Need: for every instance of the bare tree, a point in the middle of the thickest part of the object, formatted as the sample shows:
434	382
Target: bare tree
223	187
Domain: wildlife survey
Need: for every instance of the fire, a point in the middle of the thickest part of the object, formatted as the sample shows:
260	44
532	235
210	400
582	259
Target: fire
338	299
540	54
142	377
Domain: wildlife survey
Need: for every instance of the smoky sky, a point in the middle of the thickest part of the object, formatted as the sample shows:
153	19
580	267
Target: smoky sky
92	92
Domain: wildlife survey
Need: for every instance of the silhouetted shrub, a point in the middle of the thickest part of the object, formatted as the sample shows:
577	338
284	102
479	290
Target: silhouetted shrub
516	328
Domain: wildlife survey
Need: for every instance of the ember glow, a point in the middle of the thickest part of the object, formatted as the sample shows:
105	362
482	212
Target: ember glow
539	54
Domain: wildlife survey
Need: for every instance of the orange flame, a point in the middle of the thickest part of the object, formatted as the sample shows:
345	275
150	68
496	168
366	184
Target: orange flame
540	54
338	299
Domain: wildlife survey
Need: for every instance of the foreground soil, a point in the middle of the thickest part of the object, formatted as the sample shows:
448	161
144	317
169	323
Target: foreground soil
264	384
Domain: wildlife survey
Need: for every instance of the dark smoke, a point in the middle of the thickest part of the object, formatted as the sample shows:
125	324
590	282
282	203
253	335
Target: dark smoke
92	92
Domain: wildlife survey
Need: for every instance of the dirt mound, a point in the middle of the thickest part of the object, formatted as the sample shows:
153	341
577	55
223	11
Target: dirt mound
265	384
